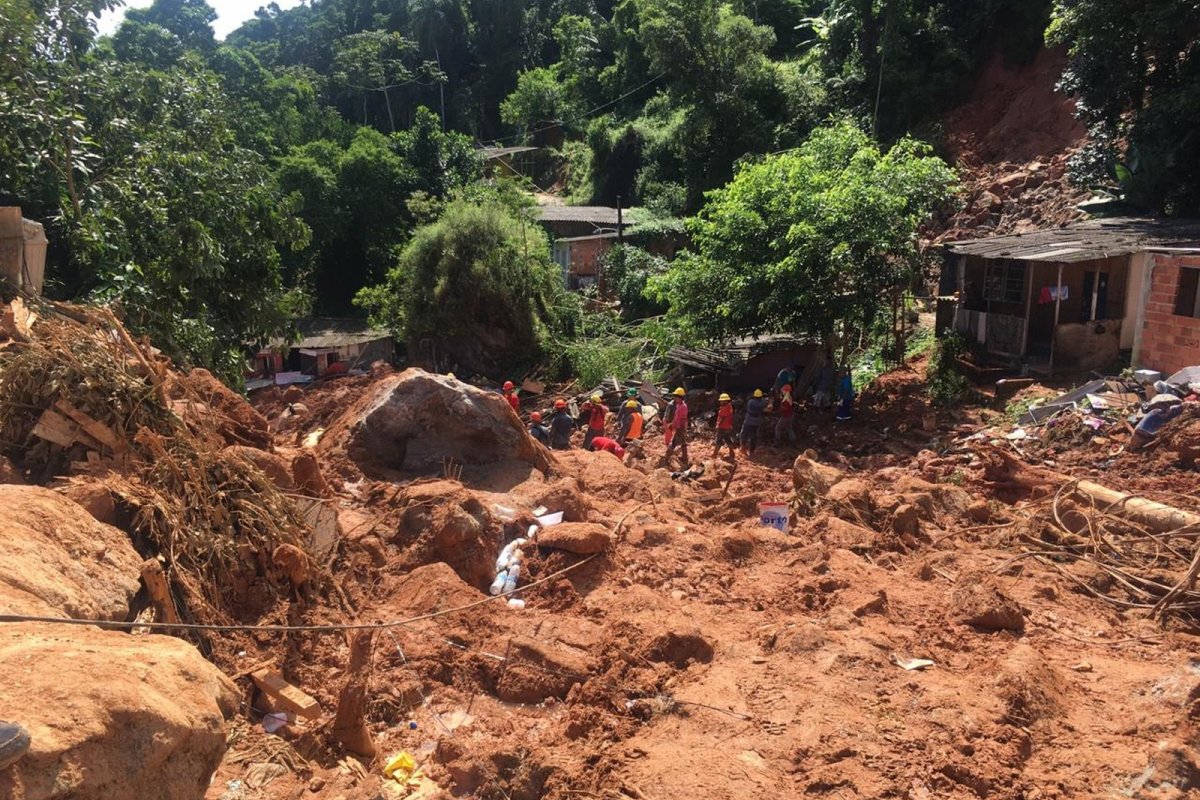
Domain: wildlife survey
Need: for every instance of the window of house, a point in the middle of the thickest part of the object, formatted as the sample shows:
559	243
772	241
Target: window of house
1005	282
1187	299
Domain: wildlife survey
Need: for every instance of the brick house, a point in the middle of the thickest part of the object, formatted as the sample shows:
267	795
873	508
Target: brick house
1167	330
1066	299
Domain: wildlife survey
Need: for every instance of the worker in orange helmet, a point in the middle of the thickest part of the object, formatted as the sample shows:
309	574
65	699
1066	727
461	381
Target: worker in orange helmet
678	416
537	430
510	394
562	424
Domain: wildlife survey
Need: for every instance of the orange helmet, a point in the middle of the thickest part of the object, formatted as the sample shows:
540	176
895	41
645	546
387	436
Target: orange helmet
535	417
560	403
787	388
508	386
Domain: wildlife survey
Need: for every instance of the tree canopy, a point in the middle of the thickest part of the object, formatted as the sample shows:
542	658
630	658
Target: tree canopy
807	241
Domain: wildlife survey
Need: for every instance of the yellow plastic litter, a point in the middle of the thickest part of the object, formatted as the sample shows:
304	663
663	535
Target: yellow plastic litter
402	768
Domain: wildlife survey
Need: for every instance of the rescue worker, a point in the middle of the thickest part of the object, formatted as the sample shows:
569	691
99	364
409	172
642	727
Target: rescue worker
755	408
786	377
624	409
596	412
679	427
725	427
823	396
845	397
603	443
561	426
510	395
631	422
787	414
537	430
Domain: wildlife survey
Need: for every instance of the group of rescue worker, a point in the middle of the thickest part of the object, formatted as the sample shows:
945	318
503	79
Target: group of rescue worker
835	388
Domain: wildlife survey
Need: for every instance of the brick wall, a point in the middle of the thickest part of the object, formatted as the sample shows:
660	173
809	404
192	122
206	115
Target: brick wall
1169	342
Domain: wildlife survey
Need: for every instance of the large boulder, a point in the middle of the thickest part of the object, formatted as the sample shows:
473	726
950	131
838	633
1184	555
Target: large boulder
111	716
58	560
418	422
583	538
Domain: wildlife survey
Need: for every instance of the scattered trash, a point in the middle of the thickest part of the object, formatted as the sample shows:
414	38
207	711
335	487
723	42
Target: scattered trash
911	664
275	721
540	511
412	724
1016	435
504	513
313	438
516	604
1083	666
550	519
775	515
508	567
401	768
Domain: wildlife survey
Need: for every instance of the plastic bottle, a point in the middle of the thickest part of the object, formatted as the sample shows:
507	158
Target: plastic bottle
498	584
513	575
506	554
516	604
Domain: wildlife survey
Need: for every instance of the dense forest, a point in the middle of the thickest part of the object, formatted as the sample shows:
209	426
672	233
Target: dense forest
217	190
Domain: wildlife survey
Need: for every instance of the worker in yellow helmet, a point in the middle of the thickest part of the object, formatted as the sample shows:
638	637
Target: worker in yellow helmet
631	422
756	406
725	427
677	417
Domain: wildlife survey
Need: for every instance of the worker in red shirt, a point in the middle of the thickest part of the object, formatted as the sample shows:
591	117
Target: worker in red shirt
510	394
679	427
632	450
725	427
596	412
787	414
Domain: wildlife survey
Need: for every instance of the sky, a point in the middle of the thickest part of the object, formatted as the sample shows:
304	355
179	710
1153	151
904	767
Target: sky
230	13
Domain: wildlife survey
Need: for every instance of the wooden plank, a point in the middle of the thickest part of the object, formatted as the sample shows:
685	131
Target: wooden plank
97	430
159	591
56	429
286	696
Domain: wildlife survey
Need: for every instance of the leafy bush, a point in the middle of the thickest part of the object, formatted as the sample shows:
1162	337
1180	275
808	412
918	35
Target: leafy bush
629	270
478	281
945	384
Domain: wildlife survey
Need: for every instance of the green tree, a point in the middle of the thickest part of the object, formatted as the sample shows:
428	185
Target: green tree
479	281
189	20
1135	71
813	241
538	99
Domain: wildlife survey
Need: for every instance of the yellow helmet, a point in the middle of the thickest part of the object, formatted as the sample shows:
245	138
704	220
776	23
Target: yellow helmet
680	392
724	398
631	403
595	398
758	393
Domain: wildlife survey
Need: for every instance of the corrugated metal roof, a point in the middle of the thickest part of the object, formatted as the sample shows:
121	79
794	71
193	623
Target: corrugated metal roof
1084	241
499	152
604	235
318	333
597	215
735	355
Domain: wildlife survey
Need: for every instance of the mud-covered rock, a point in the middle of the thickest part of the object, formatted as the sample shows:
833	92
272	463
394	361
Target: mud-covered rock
111	716
679	648
851	499
9	472
58	560
537	670
583	538
565	495
810	477
419	421
213	403
1030	688
270	464
307	476
93	496
981	603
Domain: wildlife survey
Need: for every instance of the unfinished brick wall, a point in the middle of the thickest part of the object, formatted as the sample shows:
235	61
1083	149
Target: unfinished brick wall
1169	342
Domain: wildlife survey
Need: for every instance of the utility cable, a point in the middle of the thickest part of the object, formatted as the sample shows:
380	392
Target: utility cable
355	626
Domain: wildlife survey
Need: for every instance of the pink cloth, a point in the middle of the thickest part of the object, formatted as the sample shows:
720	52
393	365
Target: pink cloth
680	420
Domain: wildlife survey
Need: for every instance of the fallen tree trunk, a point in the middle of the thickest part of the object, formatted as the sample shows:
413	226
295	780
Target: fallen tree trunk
1157	517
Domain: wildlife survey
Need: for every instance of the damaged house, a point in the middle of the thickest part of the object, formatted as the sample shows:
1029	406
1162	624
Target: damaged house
1068	299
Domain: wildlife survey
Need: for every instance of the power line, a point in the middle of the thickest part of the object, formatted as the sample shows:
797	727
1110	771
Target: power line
356	626
582	116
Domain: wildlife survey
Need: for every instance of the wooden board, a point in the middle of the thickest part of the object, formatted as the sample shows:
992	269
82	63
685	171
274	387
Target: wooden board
286	696
97	430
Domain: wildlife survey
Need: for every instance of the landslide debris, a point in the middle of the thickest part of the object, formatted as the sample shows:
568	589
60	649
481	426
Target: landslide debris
418	423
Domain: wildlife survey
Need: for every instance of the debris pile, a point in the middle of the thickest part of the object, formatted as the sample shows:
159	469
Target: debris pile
79	396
